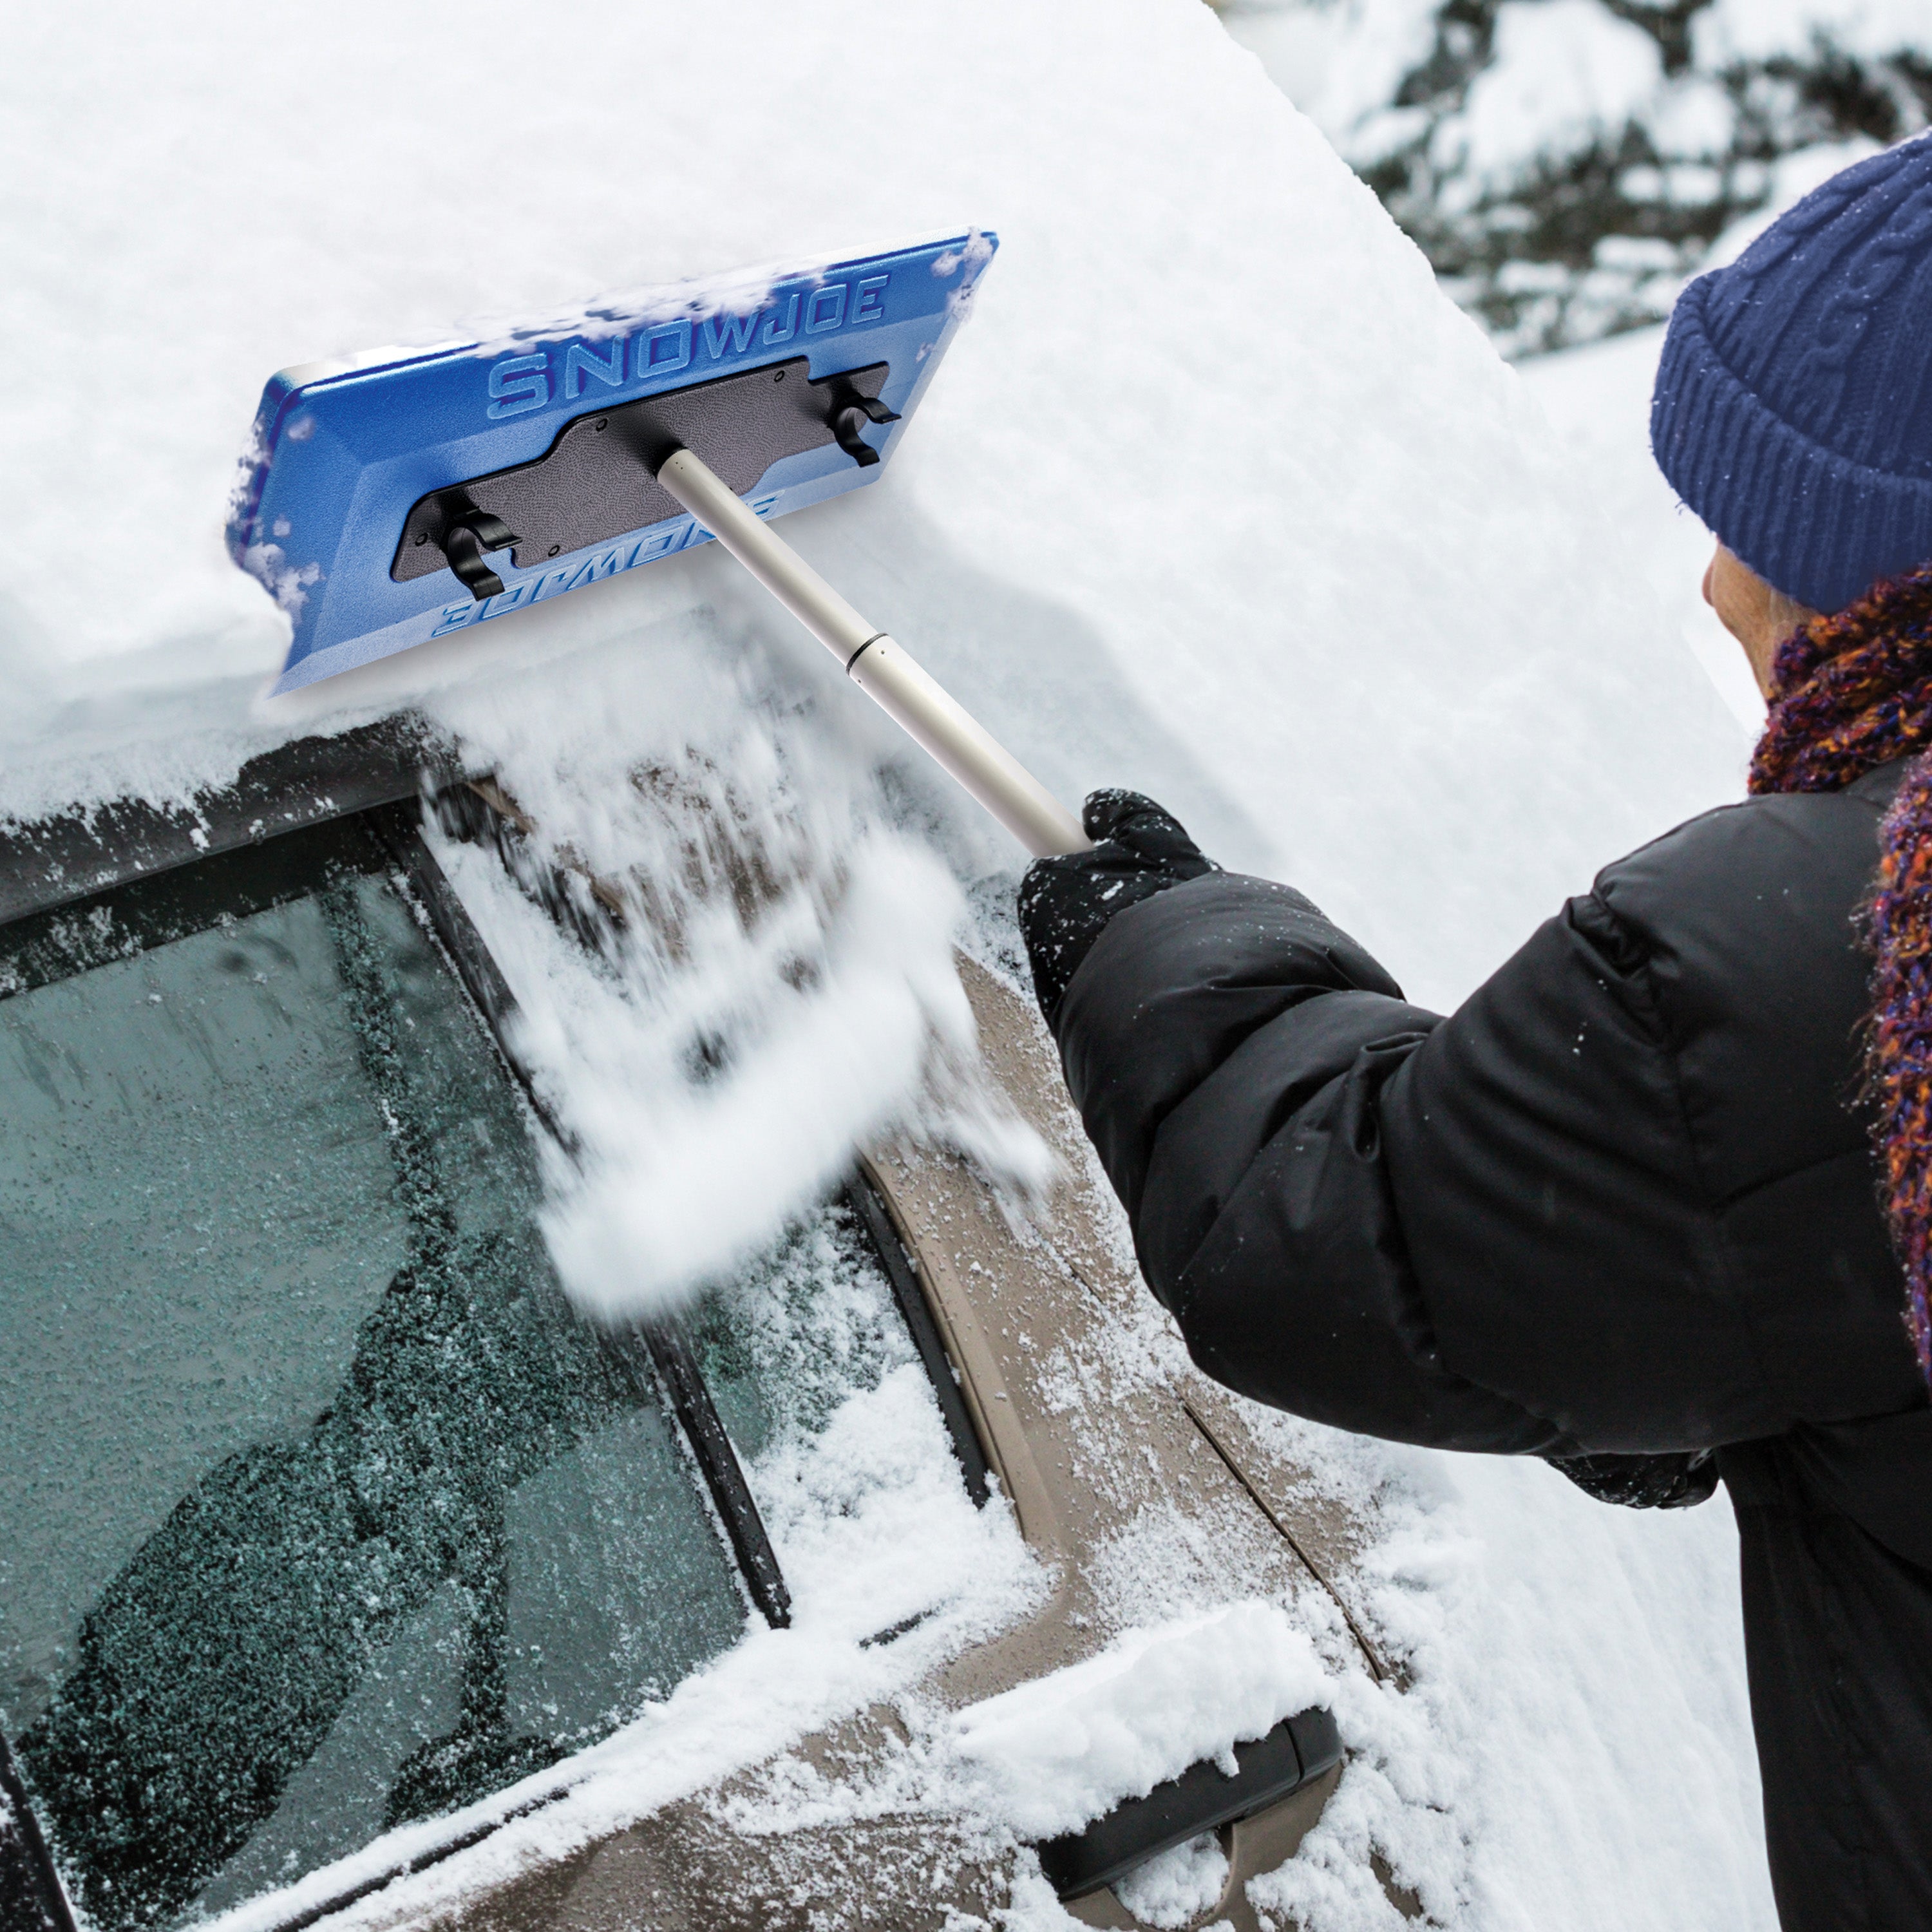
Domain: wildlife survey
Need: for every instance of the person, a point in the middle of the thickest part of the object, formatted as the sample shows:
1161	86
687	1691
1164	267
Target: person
1655	1203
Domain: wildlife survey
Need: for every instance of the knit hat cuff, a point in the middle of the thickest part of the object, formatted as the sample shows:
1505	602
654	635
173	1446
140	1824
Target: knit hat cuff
1819	528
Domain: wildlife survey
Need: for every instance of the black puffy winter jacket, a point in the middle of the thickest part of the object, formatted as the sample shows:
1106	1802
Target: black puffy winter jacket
1622	1200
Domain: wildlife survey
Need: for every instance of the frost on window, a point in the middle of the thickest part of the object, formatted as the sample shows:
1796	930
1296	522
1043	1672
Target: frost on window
807	1326
319	1513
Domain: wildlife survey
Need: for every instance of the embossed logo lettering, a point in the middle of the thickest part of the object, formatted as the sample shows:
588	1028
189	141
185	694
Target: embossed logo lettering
664	350
774	334
729	331
826	309
523	383
518	385
685	534
579	361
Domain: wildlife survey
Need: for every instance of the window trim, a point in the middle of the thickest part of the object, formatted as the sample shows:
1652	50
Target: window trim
901	1270
75	855
27	1868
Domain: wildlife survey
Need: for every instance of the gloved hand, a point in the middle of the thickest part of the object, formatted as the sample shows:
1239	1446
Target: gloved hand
1066	902
1675	1479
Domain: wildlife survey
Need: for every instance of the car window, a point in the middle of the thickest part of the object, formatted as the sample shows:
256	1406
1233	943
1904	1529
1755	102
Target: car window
319	1511
805	1326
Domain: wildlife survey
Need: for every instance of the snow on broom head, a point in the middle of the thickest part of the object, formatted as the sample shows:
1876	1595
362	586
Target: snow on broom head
691	1178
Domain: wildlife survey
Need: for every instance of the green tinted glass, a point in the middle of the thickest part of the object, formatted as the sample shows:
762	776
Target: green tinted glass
806	1325
319	1512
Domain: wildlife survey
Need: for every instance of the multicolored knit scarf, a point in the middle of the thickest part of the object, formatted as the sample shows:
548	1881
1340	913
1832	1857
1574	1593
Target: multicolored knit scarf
1849	693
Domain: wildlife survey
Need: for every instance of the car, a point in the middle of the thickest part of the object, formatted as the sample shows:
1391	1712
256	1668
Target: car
350	1571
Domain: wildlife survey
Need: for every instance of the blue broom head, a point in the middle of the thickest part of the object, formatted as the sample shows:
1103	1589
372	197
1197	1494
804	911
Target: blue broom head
397	496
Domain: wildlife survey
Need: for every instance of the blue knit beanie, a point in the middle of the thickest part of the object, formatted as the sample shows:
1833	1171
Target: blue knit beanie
1793	406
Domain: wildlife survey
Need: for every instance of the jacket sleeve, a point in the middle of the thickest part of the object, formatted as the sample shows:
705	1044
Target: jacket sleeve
1482	1232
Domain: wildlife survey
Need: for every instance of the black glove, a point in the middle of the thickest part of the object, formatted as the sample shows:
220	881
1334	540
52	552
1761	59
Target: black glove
1673	1480
1066	902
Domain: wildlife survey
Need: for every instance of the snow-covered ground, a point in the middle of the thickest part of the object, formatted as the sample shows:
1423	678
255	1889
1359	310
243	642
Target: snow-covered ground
1217	495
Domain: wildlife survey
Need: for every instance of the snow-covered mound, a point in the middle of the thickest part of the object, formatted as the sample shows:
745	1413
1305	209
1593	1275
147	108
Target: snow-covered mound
1216	496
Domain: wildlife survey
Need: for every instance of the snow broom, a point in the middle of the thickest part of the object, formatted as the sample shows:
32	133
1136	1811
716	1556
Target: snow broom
402	495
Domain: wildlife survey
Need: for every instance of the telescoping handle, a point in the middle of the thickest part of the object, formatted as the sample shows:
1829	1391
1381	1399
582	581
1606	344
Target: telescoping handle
879	667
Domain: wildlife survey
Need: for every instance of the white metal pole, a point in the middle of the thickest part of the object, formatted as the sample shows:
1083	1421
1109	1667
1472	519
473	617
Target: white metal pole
878	666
